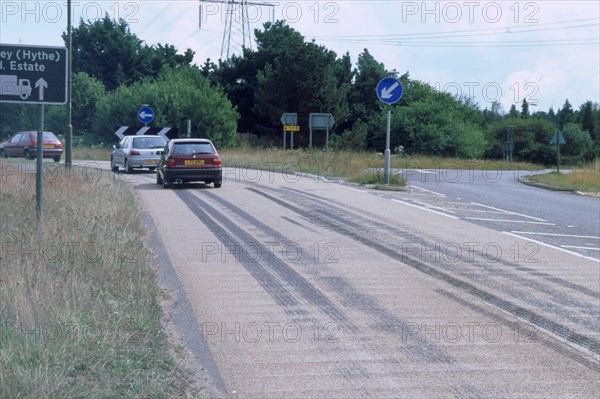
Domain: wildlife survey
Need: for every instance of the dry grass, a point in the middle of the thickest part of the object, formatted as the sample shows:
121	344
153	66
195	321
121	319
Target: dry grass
79	302
354	166
586	179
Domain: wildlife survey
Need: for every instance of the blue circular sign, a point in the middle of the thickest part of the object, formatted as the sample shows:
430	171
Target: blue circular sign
145	114
389	90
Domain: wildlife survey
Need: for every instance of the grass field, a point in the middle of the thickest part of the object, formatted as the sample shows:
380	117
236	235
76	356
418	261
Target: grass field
586	179
79	302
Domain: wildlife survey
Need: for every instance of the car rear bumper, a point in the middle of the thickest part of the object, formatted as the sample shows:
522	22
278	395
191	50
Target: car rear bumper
47	153
189	175
143	162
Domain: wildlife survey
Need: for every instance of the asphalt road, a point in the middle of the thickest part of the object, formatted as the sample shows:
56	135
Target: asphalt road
497	200
295	287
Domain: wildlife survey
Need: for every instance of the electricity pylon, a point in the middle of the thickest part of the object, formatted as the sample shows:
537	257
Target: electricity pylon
237	34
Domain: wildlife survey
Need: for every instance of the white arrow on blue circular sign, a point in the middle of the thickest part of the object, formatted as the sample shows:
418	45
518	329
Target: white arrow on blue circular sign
389	90
145	114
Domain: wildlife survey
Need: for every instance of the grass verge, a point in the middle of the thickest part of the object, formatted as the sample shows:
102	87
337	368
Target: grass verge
361	167
79	302
586	179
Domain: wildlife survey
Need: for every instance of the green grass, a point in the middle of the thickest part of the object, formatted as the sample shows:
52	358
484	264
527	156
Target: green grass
79	301
352	166
91	153
585	179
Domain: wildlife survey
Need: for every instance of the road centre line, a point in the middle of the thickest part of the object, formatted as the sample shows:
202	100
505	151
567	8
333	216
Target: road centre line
552	246
555	234
511	221
423	208
508	212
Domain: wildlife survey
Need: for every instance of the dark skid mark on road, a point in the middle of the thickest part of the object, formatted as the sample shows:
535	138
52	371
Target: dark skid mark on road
269	268
384	321
256	269
394	231
540	321
548	304
523	333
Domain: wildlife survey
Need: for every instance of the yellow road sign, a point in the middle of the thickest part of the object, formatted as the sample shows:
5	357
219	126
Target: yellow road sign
291	128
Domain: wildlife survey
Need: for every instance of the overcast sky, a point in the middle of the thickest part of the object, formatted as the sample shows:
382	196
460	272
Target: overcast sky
543	51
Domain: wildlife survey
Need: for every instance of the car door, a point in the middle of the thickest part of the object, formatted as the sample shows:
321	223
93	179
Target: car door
119	155
24	144
11	147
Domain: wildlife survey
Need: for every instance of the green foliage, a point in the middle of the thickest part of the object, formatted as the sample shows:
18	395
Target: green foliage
578	145
107	50
531	139
176	96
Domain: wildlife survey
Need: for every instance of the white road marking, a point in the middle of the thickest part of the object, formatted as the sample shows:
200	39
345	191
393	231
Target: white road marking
555	235
509	212
576	247
510	221
428	191
433	207
425	209
552	246
352	188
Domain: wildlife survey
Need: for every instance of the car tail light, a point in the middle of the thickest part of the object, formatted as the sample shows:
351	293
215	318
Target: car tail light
170	162
217	161
134	152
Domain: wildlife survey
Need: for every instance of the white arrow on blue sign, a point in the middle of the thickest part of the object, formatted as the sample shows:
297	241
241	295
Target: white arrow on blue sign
389	90
145	114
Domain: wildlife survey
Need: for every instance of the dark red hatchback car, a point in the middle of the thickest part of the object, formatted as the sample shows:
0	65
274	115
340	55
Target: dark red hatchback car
24	145
189	160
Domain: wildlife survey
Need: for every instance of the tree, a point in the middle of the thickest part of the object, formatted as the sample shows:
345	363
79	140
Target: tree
513	113
176	96
524	109
108	51
565	115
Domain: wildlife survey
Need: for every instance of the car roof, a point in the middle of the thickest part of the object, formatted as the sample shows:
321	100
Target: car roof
144	135
176	141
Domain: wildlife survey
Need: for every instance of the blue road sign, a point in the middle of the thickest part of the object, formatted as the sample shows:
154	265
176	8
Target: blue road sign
145	114
389	90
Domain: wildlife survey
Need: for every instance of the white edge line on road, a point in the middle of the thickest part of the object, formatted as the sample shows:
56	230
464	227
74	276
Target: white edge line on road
510	221
554	234
576	247
428	191
352	188
433	207
509	212
552	246
425	209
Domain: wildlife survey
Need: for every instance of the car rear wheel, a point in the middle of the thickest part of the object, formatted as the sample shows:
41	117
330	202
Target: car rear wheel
218	184
114	167
128	169
3	153
28	154
56	158
158	178
165	183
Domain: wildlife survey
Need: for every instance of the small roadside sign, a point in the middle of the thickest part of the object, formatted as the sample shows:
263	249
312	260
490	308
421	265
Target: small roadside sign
558	138
145	114
389	90
291	128
289	119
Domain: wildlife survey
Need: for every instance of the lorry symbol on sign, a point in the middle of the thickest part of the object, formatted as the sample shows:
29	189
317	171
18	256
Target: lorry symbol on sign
11	85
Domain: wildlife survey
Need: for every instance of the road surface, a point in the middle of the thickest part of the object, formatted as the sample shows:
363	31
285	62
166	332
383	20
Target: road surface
296	287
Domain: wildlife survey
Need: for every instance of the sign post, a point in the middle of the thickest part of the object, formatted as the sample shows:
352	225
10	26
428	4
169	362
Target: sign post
34	75
389	91
320	121
289	120
558	139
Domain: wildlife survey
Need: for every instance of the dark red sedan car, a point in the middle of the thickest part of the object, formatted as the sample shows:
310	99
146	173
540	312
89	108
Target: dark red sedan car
24	145
189	160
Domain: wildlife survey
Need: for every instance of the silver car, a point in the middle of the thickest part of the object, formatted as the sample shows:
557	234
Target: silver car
137	152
